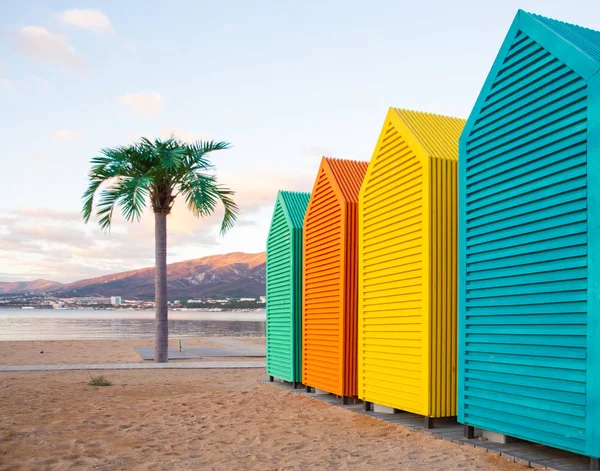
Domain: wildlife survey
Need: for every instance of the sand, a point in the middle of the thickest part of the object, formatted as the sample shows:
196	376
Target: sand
194	419
57	352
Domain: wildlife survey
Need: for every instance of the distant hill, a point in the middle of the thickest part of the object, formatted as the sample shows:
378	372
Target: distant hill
28	286
235	274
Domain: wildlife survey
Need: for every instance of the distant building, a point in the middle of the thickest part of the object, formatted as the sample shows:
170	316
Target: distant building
247	299
115	300
194	301
263	299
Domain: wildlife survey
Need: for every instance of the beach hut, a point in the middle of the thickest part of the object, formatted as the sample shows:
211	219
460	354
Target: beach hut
330	278
284	287
407	318
529	232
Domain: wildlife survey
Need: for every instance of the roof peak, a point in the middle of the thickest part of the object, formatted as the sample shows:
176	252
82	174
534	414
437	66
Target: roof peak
293	192
347	174
436	134
337	159
583	39
542	17
426	113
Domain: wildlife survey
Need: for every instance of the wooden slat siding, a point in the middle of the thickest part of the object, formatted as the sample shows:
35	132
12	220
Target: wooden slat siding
408	276
284	286
329	312
443	287
321	346
525	305
280	306
392	293
349	175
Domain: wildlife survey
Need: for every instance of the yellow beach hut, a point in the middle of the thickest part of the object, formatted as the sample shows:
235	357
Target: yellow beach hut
407	317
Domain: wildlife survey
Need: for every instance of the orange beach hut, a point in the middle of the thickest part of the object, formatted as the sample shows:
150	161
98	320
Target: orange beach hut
330	278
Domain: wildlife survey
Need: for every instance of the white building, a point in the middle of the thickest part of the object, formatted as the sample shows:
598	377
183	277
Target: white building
247	299
115	300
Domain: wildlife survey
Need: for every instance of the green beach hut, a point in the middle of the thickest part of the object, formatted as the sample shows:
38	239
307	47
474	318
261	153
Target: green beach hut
284	287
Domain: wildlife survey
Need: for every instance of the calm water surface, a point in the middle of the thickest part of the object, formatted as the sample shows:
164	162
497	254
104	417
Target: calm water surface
48	324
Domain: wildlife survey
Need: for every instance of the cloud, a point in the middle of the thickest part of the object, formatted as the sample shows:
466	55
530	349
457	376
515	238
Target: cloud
146	105
91	20
39	44
57	245
65	135
6	85
47	213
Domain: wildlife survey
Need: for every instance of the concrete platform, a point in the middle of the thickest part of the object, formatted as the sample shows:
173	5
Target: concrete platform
147	353
526	453
201	365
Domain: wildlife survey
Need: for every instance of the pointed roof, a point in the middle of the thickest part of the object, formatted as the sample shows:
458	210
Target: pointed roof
438	135
295	204
348	174
575	46
585	39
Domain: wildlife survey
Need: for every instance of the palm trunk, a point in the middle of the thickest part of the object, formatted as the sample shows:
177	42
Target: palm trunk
161	348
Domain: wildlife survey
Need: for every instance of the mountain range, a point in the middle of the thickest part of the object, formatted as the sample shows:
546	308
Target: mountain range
233	275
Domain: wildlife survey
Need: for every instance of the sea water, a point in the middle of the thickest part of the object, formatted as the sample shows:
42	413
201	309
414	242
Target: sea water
51	324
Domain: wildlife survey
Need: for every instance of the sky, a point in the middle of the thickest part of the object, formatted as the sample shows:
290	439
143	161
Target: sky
285	82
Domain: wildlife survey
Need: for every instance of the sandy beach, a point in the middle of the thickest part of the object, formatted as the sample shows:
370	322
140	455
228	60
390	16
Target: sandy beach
198	419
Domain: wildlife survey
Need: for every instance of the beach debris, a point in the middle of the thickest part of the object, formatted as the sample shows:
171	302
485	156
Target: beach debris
99	380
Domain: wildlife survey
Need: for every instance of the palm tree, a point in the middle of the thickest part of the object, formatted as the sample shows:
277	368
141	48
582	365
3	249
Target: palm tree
158	172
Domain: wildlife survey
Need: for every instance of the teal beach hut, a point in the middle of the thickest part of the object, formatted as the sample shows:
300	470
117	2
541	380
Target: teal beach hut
529	241
284	287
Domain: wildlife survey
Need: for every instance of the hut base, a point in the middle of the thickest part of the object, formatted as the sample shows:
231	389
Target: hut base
295	384
496	437
429	422
320	392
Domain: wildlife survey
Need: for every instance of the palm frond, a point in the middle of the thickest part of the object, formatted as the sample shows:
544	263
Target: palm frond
88	199
196	152
202	193
198	191
108	199
231	209
133	194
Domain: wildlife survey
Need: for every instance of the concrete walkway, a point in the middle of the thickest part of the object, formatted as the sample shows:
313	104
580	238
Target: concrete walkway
196	365
527	453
